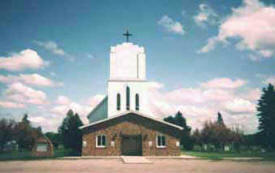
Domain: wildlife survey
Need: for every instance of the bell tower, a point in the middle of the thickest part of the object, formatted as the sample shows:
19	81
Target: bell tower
127	85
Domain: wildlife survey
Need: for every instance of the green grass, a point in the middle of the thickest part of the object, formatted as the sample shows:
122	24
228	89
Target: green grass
269	156
26	155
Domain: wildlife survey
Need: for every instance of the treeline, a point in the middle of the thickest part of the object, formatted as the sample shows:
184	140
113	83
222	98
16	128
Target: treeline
217	136
23	135
213	136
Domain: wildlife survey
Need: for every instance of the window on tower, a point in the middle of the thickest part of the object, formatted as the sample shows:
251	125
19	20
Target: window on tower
118	101
127	98
137	102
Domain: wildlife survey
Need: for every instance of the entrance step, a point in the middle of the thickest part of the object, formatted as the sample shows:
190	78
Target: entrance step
135	160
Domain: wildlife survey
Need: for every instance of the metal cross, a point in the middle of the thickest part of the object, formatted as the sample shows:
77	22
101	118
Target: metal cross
127	35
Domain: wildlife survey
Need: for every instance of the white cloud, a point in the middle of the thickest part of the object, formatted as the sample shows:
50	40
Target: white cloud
253	24
95	100
20	93
239	105
199	104
31	79
65	104
63	100
26	59
54	48
224	83
8	104
82	110
171	26
206	15
252	95
48	122
270	80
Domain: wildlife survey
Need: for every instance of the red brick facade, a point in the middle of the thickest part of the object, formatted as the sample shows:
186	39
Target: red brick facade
131	124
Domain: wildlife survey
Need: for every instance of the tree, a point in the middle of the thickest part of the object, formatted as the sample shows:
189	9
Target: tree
7	128
55	138
266	116
25	134
179	120
70	133
196	136
220	119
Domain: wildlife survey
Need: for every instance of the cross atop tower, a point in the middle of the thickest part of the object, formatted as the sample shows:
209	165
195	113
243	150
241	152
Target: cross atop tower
127	35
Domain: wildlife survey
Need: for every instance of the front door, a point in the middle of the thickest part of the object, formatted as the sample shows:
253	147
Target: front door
131	145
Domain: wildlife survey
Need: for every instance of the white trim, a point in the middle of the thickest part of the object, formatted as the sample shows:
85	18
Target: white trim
100	146
127	112
160	146
127	80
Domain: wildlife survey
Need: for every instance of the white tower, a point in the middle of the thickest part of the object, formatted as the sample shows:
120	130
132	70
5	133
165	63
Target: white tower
127	85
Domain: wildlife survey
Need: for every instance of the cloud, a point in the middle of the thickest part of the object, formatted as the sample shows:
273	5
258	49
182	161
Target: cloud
20	93
171	26
224	83
54	48
201	103
63	100
82	110
252	94
48	122
65	104
8	104
270	80
31	79
206	15
253	24
240	106
95	100
26	59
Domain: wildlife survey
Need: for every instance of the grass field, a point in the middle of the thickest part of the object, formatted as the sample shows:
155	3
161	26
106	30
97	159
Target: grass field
269	156
26	155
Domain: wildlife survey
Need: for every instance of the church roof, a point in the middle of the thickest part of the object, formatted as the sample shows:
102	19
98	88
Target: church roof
133	112
98	106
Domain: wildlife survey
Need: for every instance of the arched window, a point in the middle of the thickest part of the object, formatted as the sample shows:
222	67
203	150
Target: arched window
118	102
137	102
127	98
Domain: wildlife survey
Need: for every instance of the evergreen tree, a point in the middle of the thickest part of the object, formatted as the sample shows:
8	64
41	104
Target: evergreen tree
266	116
26	120
179	120
220	119
25	134
70	132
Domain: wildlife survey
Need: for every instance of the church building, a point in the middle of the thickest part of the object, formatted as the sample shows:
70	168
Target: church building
121	124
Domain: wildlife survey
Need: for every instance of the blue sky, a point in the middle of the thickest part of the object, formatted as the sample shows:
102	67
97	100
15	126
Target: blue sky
72	39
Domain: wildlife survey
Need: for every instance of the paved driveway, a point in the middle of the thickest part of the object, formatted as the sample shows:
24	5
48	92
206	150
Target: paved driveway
117	166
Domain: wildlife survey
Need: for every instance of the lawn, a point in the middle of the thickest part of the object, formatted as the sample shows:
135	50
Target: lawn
270	156
26	155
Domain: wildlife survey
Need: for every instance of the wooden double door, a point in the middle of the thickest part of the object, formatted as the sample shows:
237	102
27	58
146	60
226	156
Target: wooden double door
131	145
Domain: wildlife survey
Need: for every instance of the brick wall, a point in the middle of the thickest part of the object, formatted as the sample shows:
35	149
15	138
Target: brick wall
130	126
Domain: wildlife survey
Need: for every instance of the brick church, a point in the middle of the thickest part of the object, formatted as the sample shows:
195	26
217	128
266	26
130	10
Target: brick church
121	124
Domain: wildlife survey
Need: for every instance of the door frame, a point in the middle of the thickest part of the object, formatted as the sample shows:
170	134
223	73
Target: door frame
139	140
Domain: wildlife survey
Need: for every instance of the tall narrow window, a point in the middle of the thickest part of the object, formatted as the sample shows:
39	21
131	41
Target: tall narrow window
118	102
127	98
137	102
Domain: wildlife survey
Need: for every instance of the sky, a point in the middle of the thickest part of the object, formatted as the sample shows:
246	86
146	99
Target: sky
202	56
